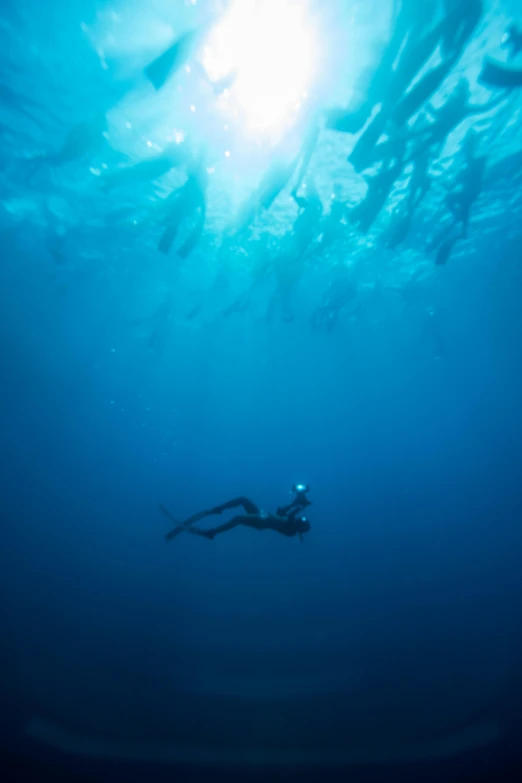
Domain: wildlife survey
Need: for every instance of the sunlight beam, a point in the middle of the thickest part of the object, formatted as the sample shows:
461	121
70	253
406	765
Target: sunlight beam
271	45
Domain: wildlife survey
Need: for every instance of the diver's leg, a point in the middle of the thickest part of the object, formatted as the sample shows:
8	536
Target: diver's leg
245	503
214	531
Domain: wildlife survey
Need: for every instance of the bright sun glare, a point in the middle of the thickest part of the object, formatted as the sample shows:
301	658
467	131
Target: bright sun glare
273	50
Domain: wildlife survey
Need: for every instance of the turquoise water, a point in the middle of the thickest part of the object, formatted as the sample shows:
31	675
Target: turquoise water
391	633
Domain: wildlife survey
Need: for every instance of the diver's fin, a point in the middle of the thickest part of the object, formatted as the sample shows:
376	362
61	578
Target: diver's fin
179	526
163	67
185	526
167	513
497	75
301	539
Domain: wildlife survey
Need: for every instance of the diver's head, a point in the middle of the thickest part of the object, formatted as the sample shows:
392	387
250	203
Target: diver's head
300	489
303	525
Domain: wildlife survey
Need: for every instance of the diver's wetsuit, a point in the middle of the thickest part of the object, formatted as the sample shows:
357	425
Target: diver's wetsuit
286	525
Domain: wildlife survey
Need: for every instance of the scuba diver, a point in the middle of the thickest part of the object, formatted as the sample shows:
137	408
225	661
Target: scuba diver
174	156
418	188
379	188
411	22
277	177
468	184
461	19
288	524
465	191
83	140
290	265
399	102
186	202
449	116
272	183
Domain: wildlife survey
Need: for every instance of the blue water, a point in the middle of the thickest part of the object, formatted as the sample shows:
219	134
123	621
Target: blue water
392	632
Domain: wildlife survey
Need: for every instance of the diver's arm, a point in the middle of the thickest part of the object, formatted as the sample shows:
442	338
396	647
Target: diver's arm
283	511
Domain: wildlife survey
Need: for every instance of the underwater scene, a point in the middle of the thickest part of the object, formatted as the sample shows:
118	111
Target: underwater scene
261	283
